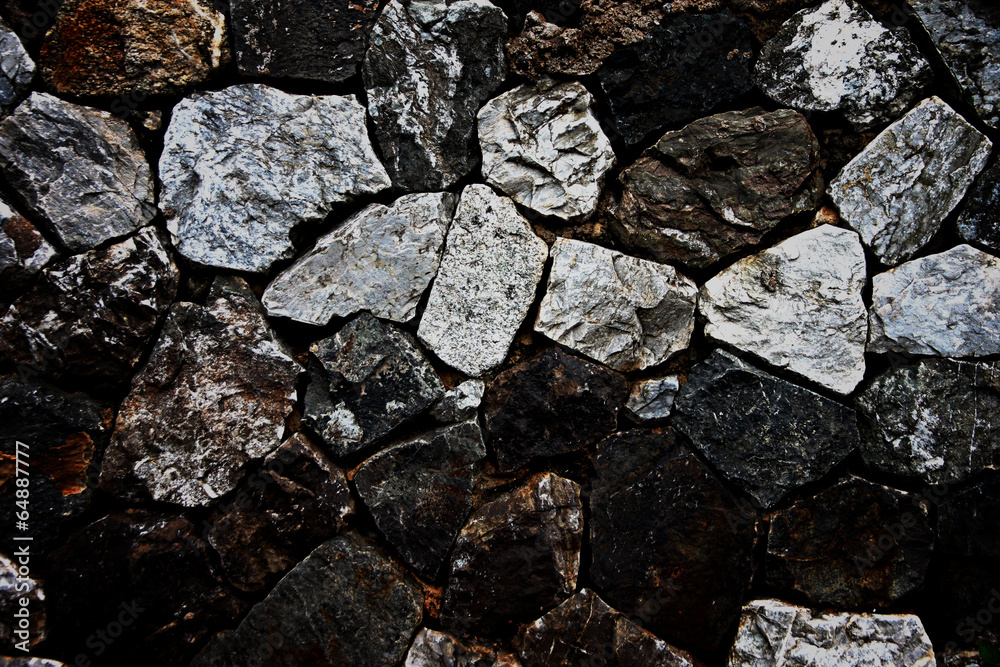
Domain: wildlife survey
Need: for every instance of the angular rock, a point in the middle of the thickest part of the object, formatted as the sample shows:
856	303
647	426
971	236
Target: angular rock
492	263
381	259
420	492
429	69
774	633
459	403
16	71
944	304
14	588
6	661
364	381
902	186
23	252
979	220
92	315
969	520
543	147
242	166
552	404
516	557
213	396
652	399
718	185
671	547
80	169
624	312
440	649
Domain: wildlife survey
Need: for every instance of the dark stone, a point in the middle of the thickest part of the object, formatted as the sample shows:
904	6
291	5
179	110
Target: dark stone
30	19
979	217
23	253
440	649
559	12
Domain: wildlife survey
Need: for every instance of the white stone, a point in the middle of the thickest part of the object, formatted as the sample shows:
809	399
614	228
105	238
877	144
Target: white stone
652	399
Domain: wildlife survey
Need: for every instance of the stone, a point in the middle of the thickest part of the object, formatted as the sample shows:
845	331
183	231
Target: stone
364	381
6	661
242	166
419	492
296	501
321	41
718	185
440	649
651	399
944	304
624	312
516	557
798	306
428	70
92	315
17	69
979	219
937	420
549	405
486	283
381	259
584	629
212	397
836	57
79	169
134	48
23	252
15	587
685	67
459	403
902	186
543	147
774	633
345	604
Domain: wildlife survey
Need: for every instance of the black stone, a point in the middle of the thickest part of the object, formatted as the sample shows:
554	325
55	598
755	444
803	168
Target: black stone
979	219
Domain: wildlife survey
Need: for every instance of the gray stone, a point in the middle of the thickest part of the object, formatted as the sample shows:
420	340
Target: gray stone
796	306
16	70
979	220
79	168
492	263
23	252
651	399
14	588
381	259
242	166
902	186
459	403
440	649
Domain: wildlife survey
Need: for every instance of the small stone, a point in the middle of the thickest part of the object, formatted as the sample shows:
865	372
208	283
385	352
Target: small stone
460	403
552	404
944	305
797	306
516	557
6	661
979	220
79	168
23	252
543	147
774	633
242	166
491	266
17	69
624	312
213	396
718	185
440	649
429	69
381	259
14	588
364	381
902	186
652	399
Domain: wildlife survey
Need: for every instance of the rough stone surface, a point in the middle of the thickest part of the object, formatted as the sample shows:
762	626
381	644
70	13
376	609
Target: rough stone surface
23	252
979	220
543	147
381	259
945	304
459	403
78	168
213	396
244	165
430	67
7	661
552	404
16	69
797	305
652	399
440	649
902	186
366	380
718	185
491	266
777	634
14	588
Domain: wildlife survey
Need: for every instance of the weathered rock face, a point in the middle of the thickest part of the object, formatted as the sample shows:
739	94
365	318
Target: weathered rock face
80	169
901	187
718	185
550	405
486	283
836	57
13	589
23	252
244	165
436	649
420	492
543	147
381	259
797	306
430	67
774	633
516	557
671	547
364	381
652	400
624	312
212	397
17	71
935	419
122	47
459	403
979	220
